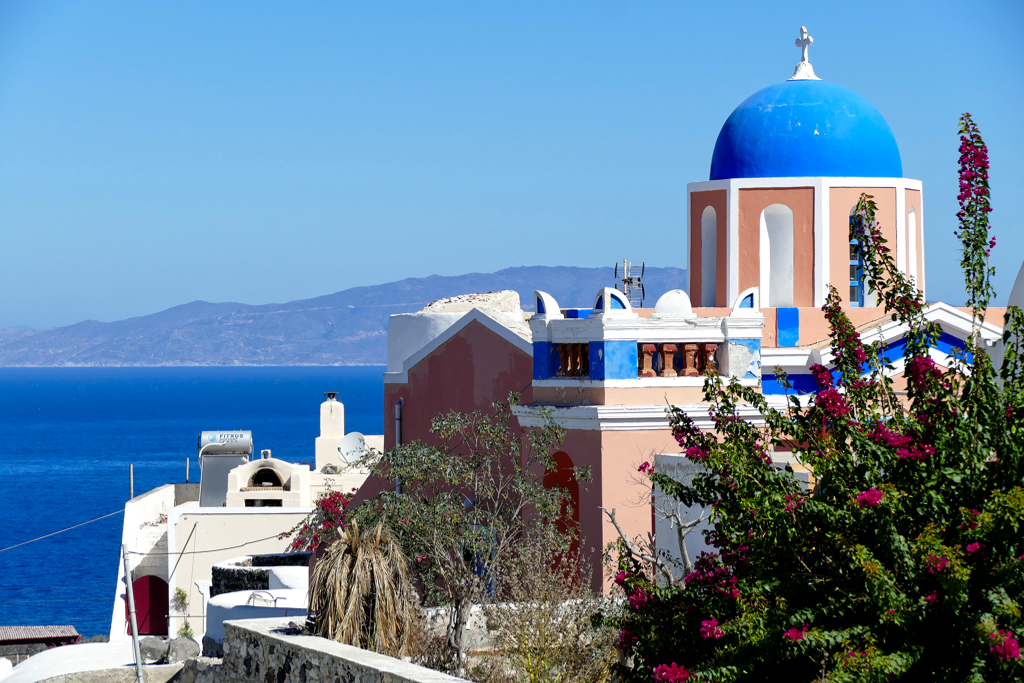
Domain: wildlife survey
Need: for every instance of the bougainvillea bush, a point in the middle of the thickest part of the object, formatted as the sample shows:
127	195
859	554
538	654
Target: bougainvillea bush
322	524
905	561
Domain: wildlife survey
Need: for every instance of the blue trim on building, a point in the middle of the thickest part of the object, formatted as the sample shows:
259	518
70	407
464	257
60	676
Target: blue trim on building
805	384
613	360
788	326
578	312
545	360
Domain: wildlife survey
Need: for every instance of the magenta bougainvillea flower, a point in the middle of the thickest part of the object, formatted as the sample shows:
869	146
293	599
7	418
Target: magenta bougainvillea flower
1006	646
870	498
935	564
796	634
709	630
670	673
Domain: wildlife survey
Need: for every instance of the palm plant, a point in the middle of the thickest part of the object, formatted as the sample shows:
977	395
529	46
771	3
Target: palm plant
360	593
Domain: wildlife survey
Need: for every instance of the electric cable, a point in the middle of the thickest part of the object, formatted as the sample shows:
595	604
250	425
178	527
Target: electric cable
18	545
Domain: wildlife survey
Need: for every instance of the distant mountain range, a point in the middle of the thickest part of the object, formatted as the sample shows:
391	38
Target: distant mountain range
345	328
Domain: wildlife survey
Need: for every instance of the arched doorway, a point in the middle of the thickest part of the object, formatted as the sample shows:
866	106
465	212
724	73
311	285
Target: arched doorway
150	605
562	475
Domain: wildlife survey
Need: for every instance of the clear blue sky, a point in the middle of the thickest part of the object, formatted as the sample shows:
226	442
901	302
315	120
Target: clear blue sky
156	153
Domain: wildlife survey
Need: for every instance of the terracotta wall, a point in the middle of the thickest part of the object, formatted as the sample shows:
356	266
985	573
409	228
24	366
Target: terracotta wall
801	201
841	203
717	199
913	199
466	373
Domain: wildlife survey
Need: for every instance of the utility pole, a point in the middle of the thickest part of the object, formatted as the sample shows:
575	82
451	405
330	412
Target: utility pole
131	614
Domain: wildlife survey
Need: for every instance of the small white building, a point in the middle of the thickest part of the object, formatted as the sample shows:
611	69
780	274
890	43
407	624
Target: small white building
176	533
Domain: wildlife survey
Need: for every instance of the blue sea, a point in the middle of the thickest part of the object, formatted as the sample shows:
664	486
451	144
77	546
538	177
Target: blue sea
68	435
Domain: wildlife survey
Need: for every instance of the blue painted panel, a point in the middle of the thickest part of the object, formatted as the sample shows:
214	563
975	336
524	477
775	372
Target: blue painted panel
578	312
617	303
788	326
802	384
613	360
545	360
748	301
541	309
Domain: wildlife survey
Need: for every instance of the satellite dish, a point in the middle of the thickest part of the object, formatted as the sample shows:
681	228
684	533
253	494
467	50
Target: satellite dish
352	447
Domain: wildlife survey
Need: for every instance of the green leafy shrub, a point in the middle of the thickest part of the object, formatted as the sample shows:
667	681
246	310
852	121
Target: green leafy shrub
906	560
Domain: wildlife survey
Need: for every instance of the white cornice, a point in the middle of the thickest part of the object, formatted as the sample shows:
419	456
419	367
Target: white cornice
623	417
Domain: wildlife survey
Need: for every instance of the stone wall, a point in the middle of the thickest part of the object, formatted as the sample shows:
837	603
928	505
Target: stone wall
269	650
250	572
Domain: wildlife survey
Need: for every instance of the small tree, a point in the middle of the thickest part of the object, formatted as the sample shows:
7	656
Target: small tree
466	503
360	593
549	626
906	560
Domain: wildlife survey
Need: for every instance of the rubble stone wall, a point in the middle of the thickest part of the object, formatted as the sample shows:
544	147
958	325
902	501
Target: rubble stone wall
267	650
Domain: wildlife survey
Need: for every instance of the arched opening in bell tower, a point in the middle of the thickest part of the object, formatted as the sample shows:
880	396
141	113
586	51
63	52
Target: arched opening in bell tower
708	257
776	256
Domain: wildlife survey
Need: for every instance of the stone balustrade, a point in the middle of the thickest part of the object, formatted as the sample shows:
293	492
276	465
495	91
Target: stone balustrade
666	359
574	360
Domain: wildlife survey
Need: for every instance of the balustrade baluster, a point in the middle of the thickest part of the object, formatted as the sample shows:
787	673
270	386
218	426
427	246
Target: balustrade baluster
690	361
668	355
709	358
647	352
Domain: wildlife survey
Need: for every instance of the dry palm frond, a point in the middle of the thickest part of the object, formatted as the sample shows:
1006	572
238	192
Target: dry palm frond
360	593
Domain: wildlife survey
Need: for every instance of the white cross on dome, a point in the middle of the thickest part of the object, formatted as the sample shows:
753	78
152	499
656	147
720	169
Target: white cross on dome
804	71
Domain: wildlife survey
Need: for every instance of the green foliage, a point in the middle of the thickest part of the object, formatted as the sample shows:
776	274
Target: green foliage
186	631
466	501
906	560
180	600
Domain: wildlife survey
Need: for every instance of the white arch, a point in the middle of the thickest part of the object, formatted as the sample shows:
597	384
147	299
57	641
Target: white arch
912	244
708	257
776	247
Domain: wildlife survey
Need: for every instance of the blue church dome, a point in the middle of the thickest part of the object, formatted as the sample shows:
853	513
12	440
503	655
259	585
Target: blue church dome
806	128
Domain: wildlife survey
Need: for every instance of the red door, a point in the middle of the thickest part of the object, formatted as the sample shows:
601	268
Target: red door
150	605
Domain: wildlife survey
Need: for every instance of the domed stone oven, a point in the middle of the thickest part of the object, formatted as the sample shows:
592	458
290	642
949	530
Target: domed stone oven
269	482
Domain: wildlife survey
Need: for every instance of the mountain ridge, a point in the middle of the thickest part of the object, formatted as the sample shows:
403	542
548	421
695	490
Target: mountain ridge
348	327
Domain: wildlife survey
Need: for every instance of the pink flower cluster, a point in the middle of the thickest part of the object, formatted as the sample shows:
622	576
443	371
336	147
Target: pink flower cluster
881	434
916	452
708	571
709	630
870	498
923	371
670	673
832	403
620	577
793	502
1007	648
977	549
935	564
697	453
627	641
645	467
932	597
796	634
639	598
822	376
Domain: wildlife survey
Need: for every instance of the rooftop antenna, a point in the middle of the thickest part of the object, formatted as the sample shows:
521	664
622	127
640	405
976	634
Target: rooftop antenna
630	277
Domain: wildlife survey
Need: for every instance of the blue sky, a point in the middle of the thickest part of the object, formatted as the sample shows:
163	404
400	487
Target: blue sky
156	153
